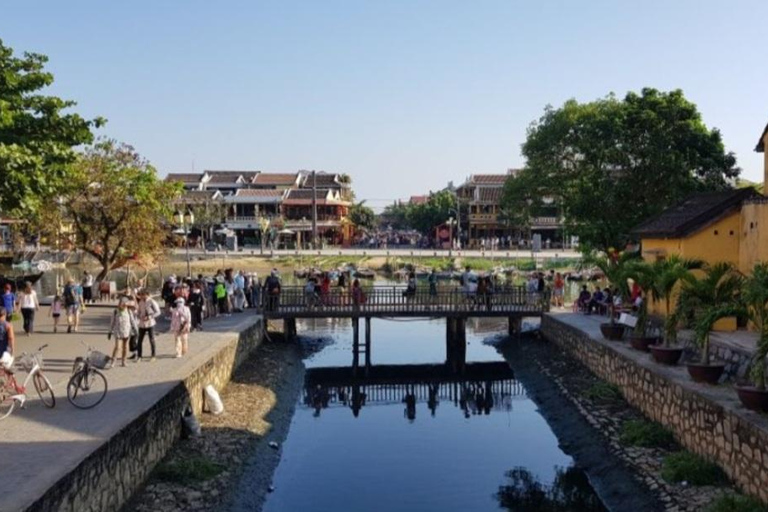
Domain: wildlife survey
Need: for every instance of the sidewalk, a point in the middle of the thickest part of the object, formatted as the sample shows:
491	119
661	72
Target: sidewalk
39	445
399	251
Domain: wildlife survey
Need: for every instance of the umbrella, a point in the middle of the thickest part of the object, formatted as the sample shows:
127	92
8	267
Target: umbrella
286	232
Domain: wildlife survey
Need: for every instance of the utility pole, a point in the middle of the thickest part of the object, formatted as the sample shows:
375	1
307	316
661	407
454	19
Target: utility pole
314	210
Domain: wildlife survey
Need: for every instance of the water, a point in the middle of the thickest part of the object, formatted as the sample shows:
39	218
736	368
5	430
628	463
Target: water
473	446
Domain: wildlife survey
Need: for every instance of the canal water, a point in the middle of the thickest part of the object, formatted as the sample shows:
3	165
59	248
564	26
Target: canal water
426	441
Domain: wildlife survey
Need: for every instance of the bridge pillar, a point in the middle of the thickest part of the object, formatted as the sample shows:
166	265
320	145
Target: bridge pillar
456	343
515	325
355	344
289	329
367	344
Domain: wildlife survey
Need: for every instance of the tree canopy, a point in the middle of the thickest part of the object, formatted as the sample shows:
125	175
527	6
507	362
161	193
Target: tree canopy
36	136
611	163
425	217
116	206
362	216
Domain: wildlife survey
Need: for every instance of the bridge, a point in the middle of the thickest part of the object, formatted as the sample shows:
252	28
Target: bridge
480	388
455	305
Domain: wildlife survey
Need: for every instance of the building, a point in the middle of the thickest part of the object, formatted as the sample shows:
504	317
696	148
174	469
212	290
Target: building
261	204
482	219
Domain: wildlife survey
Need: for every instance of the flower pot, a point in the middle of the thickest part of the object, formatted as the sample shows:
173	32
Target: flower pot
666	355
642	343
613	332
708	373
753	398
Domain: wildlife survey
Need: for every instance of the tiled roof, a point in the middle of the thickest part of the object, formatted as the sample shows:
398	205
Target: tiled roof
323	180
760	144
230	176
489	179
266	178
193	196
692	214
258	192
489	194
184	177
306	193
418	199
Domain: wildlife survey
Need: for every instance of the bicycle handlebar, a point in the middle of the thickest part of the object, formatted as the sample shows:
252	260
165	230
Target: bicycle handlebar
42	348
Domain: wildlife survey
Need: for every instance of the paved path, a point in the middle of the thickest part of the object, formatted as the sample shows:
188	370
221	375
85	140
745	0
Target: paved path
399	252
40	445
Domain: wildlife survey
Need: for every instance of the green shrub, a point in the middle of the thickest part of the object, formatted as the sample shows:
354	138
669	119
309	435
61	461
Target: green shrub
647	434
602	391
691	468
196	468
736	503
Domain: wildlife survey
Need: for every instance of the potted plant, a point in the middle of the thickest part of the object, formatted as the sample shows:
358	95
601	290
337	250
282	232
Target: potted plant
669	273
614	266
754	296
712	297
643	274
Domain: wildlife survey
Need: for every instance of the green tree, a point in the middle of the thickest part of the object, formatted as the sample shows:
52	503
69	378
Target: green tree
116	205
396	216
425	217
610	163
668	274
37	137
755	297
362	216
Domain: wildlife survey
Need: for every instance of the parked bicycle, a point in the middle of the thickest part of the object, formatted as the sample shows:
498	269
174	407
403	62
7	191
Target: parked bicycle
13	394
88	386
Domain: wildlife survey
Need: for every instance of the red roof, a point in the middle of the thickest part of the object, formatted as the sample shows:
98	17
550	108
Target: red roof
489	179
418	199
275	179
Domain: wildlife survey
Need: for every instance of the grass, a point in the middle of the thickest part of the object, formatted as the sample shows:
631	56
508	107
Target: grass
196	468
736	503
647	434
688	467
602	391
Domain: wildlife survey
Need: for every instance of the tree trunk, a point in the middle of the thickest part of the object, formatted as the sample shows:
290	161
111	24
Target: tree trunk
105	267
705	350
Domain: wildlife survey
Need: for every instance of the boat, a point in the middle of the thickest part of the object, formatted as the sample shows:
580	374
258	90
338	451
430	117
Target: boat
365	273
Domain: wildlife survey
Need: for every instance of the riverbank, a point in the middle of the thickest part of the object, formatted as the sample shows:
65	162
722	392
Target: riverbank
199	473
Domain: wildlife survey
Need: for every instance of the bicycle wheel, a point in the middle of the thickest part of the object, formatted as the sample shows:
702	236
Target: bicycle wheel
6	403
87	388
44	389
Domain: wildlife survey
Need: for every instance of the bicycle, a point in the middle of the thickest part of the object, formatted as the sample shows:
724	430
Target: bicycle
88	386
11	393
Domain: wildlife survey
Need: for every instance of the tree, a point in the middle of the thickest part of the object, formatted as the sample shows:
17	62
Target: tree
668	274
755	297
395	215
362	216
116	205
425	217
610	163
208	214
36	136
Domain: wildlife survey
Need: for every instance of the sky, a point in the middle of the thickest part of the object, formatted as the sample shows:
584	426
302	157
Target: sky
402	95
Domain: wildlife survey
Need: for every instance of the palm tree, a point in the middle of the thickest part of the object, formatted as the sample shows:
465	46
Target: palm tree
755	298
711	297
615	267
667	273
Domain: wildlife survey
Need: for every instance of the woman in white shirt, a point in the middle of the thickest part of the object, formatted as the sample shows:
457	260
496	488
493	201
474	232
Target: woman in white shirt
28	304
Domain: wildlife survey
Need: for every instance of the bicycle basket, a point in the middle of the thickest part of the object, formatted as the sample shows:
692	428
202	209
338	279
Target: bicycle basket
28	362
98	359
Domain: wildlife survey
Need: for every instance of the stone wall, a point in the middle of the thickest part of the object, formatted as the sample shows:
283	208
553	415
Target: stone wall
110	475
706	420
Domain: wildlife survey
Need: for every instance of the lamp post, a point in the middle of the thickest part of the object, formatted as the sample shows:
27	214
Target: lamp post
264	226
185	220
450	222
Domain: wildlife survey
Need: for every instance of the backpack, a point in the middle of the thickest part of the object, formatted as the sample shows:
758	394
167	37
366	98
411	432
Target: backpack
69	296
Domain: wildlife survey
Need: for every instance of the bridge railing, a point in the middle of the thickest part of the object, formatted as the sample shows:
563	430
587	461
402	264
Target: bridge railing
379	300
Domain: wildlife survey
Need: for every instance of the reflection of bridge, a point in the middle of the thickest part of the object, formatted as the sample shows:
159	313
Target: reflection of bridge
456	306
480	388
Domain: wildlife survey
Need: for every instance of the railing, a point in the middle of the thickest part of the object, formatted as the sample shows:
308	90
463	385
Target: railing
394	300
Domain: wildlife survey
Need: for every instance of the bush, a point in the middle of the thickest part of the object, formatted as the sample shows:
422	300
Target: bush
691	468
196	468
647	434
736	503
601	391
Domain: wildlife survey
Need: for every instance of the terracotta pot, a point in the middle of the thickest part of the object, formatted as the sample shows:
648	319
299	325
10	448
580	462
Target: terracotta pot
666	355
613	332
707	373
642	343
753	398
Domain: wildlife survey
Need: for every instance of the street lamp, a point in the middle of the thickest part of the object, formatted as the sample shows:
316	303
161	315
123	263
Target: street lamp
450	222
185	220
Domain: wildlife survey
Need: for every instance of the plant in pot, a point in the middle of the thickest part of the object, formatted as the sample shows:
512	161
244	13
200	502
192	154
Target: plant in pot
711	297
668	274
614	266
754	296
643	274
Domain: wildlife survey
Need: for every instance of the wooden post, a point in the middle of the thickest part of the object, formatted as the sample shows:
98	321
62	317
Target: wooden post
289	329
355	344
461	343
367	343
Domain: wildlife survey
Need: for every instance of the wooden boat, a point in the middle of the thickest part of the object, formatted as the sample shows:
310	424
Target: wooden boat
365	273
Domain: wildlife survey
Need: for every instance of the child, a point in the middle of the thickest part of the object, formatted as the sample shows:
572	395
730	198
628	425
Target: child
56	306
9	301
181	318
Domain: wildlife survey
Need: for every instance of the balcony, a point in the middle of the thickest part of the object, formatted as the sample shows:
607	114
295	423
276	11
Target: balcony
540	222
479	218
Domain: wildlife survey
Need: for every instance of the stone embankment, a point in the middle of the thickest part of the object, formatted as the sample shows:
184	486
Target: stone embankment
107	478
707	420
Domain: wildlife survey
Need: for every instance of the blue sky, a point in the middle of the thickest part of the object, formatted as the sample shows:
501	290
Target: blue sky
403	96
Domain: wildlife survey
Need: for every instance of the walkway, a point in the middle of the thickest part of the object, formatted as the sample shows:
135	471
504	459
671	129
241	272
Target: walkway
396	252
39	446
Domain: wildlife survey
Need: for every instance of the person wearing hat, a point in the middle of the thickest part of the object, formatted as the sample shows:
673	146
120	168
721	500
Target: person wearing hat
181	319
122	327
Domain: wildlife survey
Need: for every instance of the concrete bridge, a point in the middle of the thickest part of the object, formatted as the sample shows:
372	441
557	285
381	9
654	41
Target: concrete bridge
455	305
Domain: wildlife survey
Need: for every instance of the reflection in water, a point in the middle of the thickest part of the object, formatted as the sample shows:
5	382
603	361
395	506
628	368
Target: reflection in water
569	492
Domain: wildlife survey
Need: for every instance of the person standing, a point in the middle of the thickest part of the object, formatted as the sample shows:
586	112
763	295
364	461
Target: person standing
87	283
558	285
220	294
196	306
255	290
57	305
29	304
180	323
122	326
272	288
433	285
148	310
9	301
